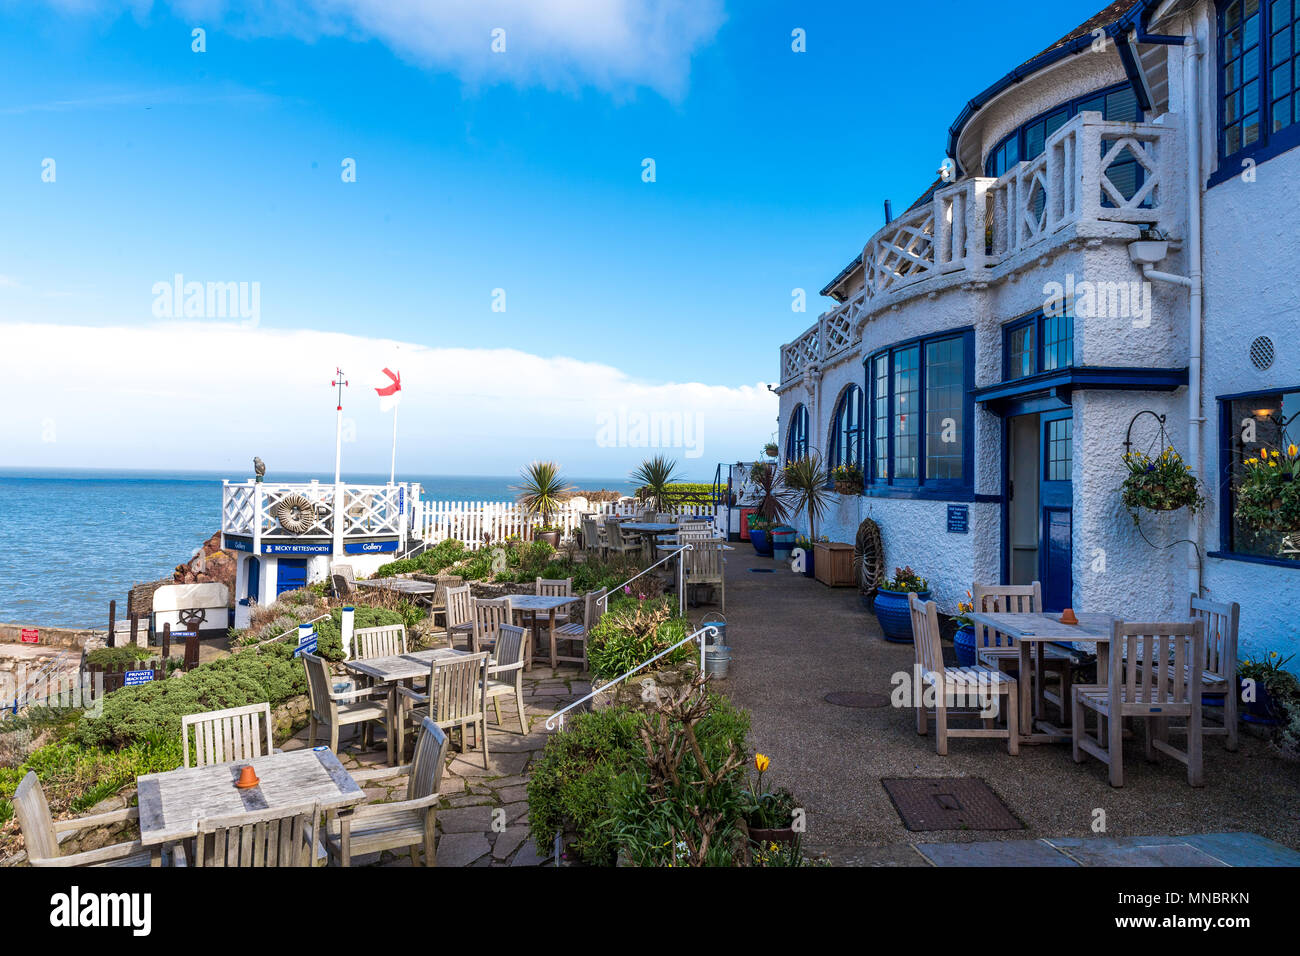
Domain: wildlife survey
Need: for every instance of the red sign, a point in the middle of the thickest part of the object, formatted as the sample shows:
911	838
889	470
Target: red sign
31	635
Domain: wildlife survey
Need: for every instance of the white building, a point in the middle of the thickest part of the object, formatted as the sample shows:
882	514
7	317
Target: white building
986	352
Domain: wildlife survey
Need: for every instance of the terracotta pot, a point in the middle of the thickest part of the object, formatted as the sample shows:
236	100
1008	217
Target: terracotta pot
550	537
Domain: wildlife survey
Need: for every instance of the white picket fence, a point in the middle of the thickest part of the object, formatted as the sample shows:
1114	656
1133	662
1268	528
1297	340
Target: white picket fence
473	522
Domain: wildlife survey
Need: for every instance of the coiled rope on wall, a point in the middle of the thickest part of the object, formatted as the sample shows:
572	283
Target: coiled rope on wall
295	513
869	557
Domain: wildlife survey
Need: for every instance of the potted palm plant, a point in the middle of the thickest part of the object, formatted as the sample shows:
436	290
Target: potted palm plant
771	502
806	479
541	493
654	476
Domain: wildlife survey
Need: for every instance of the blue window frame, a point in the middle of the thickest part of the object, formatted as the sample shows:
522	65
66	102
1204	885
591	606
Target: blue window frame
1028	141
846	435
796	440
1249	424
1259	81
919	393
1038	343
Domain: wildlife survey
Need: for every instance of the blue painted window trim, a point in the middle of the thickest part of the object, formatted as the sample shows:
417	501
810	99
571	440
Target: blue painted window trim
837	430
1036	319
938	489
796	439
1226	430
1269	144
1071	108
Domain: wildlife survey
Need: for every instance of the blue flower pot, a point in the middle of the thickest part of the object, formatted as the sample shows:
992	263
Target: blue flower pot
894	616
964	642
762	546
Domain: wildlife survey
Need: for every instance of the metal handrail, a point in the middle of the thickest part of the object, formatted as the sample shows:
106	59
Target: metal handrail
681	578
708	629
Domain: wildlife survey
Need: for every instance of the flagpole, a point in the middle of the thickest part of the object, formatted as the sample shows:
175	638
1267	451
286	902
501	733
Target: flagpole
338	519
392	471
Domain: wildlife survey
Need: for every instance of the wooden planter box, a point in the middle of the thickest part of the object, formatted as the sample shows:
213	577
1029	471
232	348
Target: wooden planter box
834	564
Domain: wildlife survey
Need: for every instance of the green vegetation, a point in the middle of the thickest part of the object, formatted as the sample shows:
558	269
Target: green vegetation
633	631
430	561
542	492
111	658
588	781
655	476
806	479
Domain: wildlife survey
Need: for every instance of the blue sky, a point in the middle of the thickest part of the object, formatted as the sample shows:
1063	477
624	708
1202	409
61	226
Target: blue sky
475	171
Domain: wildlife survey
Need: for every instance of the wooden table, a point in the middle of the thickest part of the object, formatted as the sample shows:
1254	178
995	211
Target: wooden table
531	604
395	669
649	530
171	802
1032	631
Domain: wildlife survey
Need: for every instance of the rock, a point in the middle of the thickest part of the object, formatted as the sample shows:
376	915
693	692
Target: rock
461	849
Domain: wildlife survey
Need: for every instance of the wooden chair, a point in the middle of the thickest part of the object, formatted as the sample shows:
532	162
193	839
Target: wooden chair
41	833
592	608
337	710
285	836
403	823
343	580
1156	672
1220	674
705	567
954	683
386	641
488	615
556	587
223	736
460	615
1000	651
505	671
444	583
617	544
457	698
593	538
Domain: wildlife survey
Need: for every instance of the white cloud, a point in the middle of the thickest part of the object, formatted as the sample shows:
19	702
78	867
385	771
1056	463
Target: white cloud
208	396
613	44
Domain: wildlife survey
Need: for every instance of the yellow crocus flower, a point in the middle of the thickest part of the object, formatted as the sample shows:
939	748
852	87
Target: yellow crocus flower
761	763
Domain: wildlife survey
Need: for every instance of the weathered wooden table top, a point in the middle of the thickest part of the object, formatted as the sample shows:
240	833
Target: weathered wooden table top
539	602
404	585
171	802
1047	627
401	666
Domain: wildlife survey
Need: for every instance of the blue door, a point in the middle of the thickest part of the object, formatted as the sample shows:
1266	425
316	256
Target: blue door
1056	507
290	575
254	580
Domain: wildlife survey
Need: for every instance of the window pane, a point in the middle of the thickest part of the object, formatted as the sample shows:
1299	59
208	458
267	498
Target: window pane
1060	449
945	387
1265	415
1020	352
906	417
848	429
1058	342
881	414
1035	137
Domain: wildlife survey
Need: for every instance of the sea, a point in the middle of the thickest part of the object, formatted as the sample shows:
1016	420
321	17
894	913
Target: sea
71	540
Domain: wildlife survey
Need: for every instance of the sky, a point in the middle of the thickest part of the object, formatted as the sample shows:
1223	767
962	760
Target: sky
575	227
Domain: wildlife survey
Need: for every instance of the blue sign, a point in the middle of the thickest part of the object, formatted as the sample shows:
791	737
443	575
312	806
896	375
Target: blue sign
319	548
958	519
136	678
306	644
401	500
176	634
238	544
370	547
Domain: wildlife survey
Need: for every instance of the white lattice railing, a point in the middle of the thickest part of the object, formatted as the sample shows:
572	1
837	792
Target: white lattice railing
981	222
250	509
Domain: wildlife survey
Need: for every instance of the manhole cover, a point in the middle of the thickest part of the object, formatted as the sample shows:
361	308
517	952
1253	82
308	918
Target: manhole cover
762	570
949	803
845	698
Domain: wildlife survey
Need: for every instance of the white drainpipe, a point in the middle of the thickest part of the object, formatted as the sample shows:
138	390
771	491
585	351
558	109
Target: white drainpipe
1192	282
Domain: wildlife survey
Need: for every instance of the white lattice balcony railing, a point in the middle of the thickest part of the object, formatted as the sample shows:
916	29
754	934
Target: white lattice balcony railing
276	510
1092	172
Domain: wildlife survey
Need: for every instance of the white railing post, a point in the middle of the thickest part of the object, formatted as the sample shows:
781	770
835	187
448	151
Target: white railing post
257	519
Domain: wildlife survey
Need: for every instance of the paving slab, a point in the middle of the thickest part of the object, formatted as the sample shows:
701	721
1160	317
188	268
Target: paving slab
995	853
465	820
461	849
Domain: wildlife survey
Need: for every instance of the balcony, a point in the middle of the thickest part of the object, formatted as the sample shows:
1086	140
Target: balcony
272	512
981	229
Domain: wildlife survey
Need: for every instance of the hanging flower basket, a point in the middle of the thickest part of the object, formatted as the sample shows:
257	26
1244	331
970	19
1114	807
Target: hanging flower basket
848	479
1159	481
1268	491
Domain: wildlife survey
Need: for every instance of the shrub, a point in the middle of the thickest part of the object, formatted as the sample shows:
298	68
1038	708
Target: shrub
633	631
430	561
115	657
573	782
329	632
